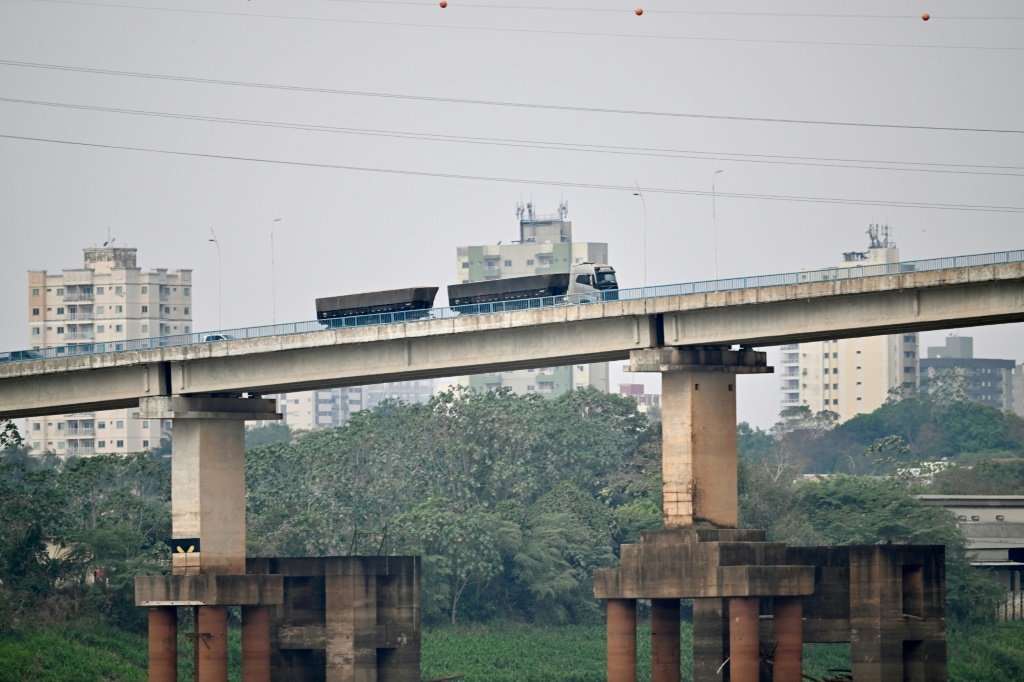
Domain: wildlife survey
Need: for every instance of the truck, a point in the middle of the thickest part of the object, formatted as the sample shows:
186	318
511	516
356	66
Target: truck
584	283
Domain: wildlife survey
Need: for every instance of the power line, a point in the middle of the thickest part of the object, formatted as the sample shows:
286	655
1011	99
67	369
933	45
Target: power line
499	103
860	164
532	181
689	12
538	31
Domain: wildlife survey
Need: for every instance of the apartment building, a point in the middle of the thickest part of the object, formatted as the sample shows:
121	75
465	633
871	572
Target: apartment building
108	299
545	246
851	376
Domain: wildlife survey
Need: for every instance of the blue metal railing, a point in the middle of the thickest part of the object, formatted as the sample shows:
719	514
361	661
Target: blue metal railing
410	316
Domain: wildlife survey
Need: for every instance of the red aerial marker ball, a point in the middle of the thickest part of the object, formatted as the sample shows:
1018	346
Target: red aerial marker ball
639	11
444	3
925	16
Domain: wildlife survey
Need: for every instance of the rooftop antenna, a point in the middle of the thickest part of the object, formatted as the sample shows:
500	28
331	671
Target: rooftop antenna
563	210
519	211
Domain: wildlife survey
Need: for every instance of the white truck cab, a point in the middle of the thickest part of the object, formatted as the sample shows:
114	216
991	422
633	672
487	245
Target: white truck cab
592	283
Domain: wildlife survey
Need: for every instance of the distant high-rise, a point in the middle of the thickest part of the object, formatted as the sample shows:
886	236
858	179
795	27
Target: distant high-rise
109	299
545	246
984	380
851	376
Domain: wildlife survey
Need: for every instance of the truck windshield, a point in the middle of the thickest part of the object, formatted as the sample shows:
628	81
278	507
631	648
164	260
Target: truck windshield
605	279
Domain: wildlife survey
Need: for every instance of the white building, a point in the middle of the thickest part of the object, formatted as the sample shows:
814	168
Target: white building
851	376
332	407
544	246
108	300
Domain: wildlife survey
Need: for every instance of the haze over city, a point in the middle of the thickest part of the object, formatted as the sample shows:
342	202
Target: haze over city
381	135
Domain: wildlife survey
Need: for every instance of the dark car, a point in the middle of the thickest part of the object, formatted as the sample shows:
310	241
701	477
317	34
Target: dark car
19	355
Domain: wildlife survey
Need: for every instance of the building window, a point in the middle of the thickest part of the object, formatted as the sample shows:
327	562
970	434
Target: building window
167	310
145	309
465	265
35	311
118	309
120	444
99	310
118	328
145	443
118	291
35	331
99	290
145	328
100	328
508	264
60	311
101	425
101	443
36	426
188	291
187	311
60	330
119	424
35	292
60	292
145	290
145	423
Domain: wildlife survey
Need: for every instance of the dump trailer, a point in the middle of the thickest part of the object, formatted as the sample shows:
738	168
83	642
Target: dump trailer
511	289
375	307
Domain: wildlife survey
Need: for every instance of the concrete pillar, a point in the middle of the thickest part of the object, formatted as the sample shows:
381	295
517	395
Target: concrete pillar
744	645
699	459
665	640
710	639
163	644
208	478
208	502
788	633
621	640
212	644
255	644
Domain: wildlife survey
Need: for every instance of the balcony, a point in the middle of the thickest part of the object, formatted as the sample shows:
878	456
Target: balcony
81	432
71	297
79	336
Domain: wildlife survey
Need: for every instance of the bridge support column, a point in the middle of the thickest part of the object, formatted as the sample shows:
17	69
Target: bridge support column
665	640
788	632
699	460
163	644
207	506
621	640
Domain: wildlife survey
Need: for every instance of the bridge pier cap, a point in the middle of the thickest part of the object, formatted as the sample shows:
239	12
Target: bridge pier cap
699	461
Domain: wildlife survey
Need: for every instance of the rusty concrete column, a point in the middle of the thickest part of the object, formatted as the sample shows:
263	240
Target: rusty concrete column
744	646
710	639
665	640
699	459
163	644
211	644
788	632
255	644
621	640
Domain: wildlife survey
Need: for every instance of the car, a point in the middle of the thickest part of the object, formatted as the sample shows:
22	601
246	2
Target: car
217	337
19	355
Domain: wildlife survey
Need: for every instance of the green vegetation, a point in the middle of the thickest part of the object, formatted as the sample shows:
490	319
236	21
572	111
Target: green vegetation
80	652
512	501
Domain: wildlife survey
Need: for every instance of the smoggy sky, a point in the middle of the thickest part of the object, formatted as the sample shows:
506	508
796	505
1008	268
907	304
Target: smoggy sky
383	134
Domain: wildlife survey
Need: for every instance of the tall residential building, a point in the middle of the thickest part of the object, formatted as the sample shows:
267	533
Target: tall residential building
983	380
108	299
332	407
544	246
851	376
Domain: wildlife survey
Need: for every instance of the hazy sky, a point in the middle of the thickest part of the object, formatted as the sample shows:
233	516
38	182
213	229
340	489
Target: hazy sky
394	139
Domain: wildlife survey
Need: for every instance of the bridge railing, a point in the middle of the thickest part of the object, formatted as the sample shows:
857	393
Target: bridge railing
846	272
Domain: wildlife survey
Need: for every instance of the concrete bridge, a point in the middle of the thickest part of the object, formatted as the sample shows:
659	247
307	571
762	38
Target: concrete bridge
685	332
832	304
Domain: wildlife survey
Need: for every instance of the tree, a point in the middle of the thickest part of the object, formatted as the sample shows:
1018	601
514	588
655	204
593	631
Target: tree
9	436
